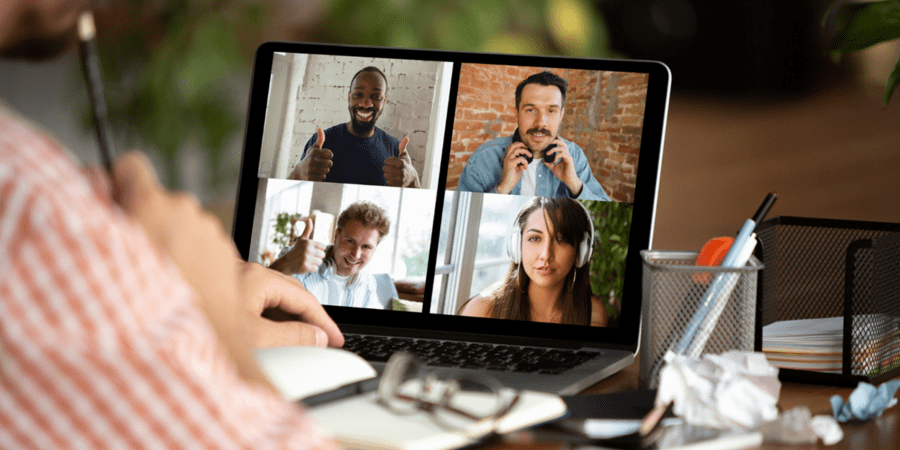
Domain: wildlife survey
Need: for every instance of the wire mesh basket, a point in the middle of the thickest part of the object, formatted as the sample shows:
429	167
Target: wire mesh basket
847	272
673	289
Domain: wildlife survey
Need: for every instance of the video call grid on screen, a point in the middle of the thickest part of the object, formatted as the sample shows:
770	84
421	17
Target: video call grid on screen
437	274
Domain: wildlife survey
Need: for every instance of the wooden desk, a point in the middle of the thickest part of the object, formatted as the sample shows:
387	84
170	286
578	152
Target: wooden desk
880	434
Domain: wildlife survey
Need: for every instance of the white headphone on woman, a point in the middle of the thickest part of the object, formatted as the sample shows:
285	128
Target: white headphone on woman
585	247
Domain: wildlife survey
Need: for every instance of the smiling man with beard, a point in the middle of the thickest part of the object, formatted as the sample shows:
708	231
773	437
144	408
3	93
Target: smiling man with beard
537	161
358	152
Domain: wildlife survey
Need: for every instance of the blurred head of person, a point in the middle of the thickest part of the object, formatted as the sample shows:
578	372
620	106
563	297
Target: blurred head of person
38	29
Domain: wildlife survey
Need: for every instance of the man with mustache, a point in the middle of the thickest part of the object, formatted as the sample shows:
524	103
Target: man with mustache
358	152
534	160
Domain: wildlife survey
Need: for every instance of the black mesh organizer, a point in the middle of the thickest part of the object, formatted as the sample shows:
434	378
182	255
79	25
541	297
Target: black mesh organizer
819	268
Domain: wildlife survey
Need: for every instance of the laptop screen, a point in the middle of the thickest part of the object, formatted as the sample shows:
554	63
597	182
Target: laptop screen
468	194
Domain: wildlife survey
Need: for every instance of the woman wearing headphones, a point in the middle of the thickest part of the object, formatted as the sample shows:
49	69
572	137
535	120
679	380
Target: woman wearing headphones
549	279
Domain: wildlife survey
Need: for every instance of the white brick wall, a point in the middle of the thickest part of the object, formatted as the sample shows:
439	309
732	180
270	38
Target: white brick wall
322	100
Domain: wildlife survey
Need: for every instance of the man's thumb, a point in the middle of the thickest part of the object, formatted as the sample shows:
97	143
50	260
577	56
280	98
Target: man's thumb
320	138
307	232
403	144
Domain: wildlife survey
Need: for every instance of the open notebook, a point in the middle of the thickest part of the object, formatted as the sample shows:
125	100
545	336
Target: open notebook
454	264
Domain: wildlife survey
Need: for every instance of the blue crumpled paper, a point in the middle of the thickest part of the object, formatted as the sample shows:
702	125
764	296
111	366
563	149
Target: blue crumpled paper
866	402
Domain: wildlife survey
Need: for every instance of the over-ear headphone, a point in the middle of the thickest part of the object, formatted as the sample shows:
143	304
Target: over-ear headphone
585	247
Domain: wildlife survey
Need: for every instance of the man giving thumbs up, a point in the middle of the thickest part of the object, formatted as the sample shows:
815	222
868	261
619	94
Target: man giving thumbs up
358	152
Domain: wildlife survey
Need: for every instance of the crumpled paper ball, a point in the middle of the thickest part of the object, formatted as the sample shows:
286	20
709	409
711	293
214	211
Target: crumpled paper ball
736	390
866	402
797	426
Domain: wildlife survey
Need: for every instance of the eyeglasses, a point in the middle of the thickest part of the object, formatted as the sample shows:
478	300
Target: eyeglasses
470	404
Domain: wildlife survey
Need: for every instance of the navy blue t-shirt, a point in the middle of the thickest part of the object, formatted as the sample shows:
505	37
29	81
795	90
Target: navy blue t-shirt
357	160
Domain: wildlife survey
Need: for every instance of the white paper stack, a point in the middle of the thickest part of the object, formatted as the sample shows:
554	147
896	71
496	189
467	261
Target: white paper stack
818	344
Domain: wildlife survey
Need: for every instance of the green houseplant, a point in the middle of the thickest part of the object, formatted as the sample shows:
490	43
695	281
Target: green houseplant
612	226
862	25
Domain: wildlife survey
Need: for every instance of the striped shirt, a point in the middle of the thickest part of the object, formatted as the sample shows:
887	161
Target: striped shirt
101	343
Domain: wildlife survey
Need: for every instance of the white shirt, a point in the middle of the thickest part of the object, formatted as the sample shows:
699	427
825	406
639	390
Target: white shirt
529	178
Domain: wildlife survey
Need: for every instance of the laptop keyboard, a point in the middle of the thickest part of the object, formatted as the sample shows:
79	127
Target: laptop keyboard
466	355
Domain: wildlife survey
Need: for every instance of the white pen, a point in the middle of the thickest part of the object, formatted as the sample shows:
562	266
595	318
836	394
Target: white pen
714	301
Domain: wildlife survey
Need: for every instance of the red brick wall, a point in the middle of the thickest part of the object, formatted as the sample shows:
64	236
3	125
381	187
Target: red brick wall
604	116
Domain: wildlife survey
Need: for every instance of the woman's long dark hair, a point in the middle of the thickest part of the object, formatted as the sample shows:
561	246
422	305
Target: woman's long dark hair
569	220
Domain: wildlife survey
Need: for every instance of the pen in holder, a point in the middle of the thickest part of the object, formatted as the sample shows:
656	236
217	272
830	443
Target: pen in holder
672	296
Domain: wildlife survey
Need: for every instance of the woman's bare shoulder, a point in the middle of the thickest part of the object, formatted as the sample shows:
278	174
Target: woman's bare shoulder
478	306
598	313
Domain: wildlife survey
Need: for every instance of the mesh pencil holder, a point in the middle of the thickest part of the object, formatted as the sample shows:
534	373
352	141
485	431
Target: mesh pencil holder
848	271
673	291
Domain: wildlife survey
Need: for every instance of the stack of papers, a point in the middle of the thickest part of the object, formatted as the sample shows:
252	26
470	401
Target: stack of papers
817	344
807	344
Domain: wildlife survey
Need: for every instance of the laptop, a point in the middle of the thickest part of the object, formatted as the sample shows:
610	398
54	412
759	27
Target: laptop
459	273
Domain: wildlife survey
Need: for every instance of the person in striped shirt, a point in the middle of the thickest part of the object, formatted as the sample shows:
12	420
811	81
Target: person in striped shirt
127	319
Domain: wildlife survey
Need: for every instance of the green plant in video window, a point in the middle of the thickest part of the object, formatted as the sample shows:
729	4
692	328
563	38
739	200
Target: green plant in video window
861	25
612	225
286	231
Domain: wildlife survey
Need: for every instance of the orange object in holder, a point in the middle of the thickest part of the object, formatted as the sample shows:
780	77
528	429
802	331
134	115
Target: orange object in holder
712	254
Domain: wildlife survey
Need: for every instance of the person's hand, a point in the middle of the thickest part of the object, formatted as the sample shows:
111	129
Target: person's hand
563	167
304	257
195	241
514	164
398	170
317	162
266	289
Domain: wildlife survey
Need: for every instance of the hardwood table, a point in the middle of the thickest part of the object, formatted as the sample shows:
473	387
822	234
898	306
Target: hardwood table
882	433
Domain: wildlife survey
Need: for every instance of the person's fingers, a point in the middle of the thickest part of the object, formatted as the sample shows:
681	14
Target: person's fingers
133	180
99	181
287	293
403	143
307	232
279	334
394	161
325	156
320	138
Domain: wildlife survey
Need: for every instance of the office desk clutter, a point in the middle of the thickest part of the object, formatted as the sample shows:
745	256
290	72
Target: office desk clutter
738	391
693	310
829	301
866	402
406	407
732	390
672	296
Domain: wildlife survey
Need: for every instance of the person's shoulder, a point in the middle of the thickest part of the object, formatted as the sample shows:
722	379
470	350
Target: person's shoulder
493	147
478	306
598	312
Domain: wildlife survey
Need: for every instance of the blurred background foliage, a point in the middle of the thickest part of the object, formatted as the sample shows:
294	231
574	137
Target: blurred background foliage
557	27
612	225
178	71
861	25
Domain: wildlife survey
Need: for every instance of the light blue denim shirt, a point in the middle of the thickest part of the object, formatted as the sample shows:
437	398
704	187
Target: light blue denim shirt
484	170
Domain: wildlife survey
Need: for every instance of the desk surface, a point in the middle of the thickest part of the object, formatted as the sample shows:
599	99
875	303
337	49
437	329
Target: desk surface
882	434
